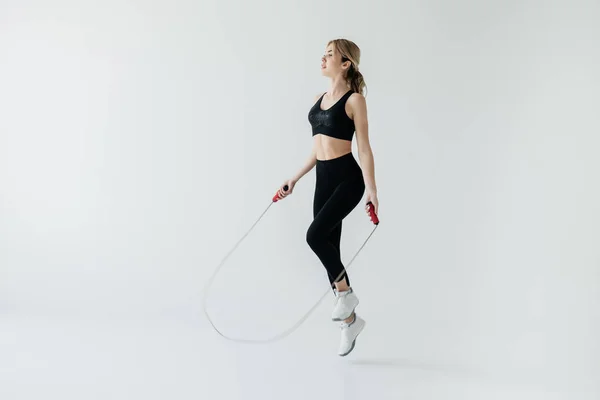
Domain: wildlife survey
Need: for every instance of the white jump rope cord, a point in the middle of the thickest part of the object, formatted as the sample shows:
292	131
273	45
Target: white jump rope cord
294	327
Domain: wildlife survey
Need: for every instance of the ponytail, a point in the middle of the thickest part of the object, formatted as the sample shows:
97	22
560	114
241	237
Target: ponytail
356	80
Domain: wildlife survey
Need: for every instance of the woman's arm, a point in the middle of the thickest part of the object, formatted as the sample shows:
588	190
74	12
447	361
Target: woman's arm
365	153
291	183
312	159
308	165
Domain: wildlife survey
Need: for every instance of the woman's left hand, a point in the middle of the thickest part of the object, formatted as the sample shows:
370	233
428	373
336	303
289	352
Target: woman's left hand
372	197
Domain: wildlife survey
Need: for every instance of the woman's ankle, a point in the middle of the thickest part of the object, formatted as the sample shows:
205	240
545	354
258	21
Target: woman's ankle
350	318
342	286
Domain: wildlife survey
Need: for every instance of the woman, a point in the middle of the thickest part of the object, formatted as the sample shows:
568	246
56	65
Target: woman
340	182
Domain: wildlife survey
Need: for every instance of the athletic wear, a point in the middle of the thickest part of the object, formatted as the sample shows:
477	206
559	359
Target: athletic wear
339	188
345	303
350	332
334	121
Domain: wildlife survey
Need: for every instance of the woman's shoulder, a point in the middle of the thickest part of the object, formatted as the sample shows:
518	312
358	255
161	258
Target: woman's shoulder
355	96
356	99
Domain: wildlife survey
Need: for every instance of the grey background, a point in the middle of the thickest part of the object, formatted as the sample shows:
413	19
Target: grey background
139	140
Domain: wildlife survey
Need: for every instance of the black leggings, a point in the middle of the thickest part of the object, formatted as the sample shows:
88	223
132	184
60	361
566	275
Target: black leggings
339	188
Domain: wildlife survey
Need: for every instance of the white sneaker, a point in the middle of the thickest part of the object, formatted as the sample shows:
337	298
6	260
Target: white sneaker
350	331
345	303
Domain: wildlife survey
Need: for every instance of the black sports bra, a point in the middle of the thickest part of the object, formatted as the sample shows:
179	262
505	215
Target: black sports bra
334	121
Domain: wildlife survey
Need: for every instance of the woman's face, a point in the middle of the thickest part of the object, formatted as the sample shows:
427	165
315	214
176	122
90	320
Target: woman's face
331	62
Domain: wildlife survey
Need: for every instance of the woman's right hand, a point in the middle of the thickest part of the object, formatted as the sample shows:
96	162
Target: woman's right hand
290	184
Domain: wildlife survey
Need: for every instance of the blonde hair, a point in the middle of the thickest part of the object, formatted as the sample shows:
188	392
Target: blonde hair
351	52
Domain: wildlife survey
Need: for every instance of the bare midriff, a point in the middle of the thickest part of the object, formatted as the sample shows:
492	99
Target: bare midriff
328	148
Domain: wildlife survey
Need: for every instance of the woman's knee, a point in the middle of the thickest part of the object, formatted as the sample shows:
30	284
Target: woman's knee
314	237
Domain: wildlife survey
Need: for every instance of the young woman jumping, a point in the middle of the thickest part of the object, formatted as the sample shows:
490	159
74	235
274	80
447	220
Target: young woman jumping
341	182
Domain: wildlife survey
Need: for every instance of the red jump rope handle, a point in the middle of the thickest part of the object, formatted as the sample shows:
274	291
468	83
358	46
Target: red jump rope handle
372	214
276	197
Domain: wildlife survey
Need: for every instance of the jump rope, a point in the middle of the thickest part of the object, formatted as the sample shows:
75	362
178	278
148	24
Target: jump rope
287	332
